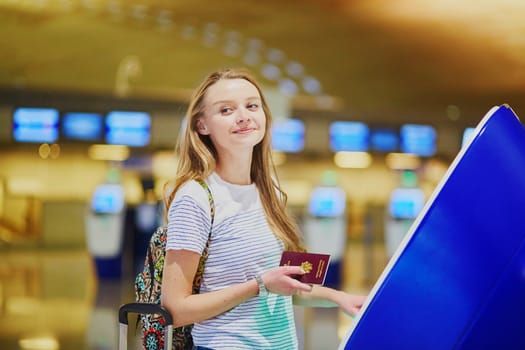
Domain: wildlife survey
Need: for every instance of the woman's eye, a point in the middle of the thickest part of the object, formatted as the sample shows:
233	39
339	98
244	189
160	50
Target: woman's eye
226	110
253	106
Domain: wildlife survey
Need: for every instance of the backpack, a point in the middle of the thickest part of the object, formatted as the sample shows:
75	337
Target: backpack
148	285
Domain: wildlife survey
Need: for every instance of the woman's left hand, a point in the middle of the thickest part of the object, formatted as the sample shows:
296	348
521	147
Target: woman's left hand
350	303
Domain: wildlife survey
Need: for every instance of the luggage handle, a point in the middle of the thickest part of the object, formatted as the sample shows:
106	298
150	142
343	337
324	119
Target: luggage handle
144	308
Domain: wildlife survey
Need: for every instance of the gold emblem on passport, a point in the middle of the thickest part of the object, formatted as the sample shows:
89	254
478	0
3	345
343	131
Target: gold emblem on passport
306	266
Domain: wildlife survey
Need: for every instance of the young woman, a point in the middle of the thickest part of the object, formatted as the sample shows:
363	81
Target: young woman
245	300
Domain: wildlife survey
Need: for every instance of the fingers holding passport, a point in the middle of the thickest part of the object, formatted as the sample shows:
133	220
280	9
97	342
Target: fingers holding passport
281	280
293	271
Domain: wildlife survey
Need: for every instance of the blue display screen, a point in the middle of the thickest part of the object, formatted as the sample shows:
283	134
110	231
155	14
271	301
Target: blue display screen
384	140
288	135
406	203
418	139
327	202
35	125
82	126
128	128
467	133
349	136
108	199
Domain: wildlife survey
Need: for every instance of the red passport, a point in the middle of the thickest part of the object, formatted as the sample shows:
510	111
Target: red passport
315	265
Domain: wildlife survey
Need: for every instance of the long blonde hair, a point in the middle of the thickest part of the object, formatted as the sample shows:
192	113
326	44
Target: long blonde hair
197	160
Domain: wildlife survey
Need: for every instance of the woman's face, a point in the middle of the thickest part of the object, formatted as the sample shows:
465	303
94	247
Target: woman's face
233	115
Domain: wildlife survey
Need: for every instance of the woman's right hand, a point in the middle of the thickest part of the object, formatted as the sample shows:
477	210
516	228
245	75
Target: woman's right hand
280	280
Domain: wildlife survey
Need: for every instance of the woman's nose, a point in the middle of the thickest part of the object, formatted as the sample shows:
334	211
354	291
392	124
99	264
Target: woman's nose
243	115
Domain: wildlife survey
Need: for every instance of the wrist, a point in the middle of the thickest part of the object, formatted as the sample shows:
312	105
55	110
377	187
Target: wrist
262	291
331	295
337	296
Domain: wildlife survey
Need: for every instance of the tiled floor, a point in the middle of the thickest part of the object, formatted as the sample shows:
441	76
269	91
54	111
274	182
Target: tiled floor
52	300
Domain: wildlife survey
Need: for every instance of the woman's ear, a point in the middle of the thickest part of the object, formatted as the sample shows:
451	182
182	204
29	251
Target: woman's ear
201	128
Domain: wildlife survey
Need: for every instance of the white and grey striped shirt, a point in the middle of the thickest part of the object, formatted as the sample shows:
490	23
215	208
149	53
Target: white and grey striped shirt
242	245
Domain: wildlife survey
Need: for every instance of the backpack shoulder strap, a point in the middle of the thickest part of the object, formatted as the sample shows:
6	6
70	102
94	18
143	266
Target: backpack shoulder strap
200	269
210	199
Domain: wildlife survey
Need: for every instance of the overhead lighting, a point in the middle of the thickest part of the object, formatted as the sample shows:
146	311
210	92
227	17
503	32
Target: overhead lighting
356	160
109	152
39	343
164	164
138	12
271	71
44	150
312	85
252	58
275	55
294	69
164	19
54	151
255	44
453	112
435	170
288	87
232	48
20	186
402	161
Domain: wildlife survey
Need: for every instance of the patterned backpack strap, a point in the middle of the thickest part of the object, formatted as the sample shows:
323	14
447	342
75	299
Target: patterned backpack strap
149	280
200	269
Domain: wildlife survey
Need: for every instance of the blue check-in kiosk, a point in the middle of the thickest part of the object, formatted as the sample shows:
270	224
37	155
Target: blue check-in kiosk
105	229
405	203
325	229
457	280
148	216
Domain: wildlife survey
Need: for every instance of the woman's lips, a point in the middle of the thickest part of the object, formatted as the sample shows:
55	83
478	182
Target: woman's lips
244	130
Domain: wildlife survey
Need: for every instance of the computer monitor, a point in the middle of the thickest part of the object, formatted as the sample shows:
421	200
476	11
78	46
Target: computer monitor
349	136
288	135
107	199
384	140
467	134
327	202
418	139
82	126
406	203
35	125
130	128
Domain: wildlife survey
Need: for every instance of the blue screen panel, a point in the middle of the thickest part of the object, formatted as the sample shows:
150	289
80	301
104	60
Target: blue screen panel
406	203
467	133
327	202
35	125
128	128
288	135
384	140
457	280
418	139
82	126
108	199
349	136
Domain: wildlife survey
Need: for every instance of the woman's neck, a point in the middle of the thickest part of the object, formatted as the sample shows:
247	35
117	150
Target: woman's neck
235	170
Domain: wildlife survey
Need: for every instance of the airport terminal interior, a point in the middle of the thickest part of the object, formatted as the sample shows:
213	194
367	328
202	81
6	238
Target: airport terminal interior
371	101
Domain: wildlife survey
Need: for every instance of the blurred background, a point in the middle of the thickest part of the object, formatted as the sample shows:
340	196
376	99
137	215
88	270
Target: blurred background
372	101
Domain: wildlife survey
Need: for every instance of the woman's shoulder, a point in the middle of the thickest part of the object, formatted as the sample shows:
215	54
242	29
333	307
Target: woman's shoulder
192	189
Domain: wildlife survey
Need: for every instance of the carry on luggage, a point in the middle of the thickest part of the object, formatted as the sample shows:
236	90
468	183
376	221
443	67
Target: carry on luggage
143	308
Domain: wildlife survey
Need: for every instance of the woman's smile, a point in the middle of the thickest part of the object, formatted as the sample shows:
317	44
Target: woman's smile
244	130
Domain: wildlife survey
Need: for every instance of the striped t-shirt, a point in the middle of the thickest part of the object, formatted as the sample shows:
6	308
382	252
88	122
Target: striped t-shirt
242	245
